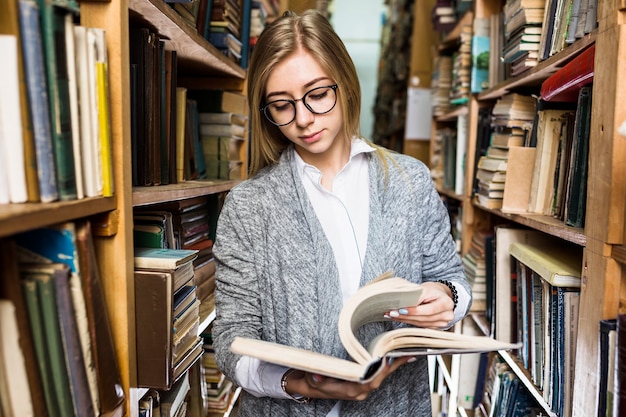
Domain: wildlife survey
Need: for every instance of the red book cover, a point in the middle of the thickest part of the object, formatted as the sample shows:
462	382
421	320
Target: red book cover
564	84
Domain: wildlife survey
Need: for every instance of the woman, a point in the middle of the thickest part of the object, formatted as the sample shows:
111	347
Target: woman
323	213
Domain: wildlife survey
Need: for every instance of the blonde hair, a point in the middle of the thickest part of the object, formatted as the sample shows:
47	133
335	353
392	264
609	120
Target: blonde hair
309	31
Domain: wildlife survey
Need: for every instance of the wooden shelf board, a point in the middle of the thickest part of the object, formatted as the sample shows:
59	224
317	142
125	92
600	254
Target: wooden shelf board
161	193
543	70
545	224
454	114
16	218
522	374
195	53
449	193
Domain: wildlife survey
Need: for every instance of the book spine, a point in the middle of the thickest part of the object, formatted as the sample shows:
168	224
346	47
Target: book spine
110	392
74	359
11	130
104	122
53	25
35	320
53	342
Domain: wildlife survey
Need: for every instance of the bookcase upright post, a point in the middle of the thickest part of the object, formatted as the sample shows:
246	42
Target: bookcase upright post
115	252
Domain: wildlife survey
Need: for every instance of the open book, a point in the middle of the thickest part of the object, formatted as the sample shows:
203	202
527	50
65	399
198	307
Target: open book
368	305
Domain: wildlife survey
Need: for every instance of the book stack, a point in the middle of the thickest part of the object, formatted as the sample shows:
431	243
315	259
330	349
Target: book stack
55	80
461	68
226	20
167	315
222	135
511	115
218	387
441	85
174	402
523	21
474	264
258	20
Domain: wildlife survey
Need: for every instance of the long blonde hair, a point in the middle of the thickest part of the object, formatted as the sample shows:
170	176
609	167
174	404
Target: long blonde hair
312	32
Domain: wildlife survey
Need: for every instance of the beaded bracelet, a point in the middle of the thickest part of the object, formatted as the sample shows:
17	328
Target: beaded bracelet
455	295
283	384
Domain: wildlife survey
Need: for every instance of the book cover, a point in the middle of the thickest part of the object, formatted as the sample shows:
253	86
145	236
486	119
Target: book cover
38	99
53	28
16	397
370	304
565	84
109	385
72	87
10	23
558	264
104	128
11	132
156	258
89	146
576	193
153	327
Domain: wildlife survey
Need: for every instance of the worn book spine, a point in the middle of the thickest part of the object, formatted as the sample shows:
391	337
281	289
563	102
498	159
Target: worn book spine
153	323
110	392
70	338
10	25
576	198
53	28
37	332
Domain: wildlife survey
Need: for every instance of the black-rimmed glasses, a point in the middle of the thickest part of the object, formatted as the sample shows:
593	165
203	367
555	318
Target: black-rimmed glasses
319	100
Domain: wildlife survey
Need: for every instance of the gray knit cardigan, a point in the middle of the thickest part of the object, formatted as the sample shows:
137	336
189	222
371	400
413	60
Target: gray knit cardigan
277	279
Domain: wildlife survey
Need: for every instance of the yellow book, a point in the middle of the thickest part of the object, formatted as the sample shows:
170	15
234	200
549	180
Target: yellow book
181	104
558	264
104	123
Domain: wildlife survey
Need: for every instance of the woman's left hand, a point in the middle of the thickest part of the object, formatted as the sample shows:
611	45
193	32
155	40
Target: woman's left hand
435	308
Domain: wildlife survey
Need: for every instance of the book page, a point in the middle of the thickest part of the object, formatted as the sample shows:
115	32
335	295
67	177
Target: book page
369	305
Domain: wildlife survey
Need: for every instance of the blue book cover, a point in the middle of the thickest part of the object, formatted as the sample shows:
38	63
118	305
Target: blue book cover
480	64
245	33
38	99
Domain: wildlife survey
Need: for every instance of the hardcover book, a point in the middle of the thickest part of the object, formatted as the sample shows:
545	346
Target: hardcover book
370	303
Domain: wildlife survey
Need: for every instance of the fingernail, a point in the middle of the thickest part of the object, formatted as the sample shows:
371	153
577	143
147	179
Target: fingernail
403	311
394	314
387	316
316	377
412	359
389	361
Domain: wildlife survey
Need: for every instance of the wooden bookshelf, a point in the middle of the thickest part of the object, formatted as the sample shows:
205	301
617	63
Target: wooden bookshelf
603	237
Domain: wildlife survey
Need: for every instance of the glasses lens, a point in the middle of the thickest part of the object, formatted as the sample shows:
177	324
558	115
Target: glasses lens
281	112
320	100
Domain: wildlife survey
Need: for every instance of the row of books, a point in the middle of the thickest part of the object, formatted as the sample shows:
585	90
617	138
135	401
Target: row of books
58	355
226	24
55	138
532	293
167	120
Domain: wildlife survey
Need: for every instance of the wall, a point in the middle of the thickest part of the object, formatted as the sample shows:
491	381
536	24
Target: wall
359	24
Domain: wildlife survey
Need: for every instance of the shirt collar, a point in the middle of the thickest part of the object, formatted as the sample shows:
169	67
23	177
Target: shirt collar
358	146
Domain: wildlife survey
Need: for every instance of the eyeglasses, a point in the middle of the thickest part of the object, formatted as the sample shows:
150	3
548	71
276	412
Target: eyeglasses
319	100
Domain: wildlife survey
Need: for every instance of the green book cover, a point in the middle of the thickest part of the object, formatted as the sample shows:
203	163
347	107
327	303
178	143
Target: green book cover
31	298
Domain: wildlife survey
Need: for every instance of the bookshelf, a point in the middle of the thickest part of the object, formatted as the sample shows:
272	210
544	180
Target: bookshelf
602	237
200	64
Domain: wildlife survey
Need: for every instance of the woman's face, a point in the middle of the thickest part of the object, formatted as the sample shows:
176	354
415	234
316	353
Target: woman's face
314	135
